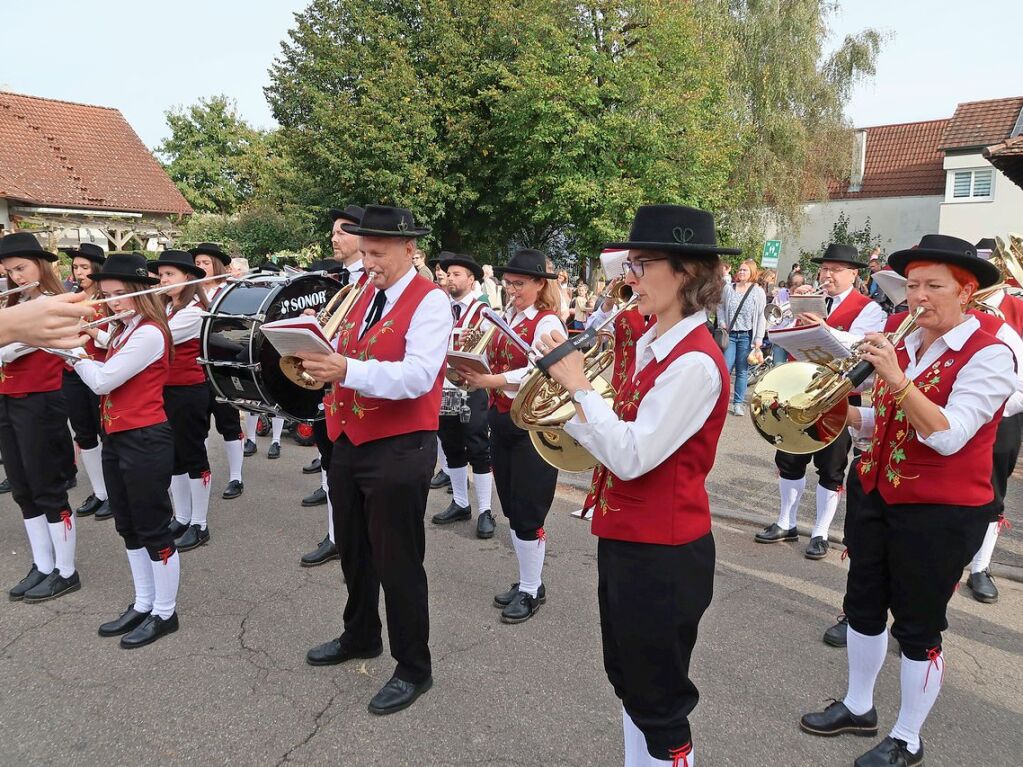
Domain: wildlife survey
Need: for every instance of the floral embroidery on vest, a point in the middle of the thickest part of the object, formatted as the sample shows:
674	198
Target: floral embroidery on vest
108	405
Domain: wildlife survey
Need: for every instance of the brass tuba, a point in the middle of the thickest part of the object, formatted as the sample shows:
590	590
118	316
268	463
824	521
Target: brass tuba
802	407
330	319
543	406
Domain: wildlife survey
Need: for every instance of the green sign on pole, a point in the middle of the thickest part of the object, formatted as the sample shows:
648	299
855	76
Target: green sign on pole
772	250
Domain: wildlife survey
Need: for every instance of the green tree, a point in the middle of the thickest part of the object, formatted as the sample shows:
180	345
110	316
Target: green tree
843	231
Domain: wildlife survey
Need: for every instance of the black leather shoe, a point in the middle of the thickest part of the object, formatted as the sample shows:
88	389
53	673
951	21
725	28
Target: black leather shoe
5	486
274	451
836	636
152	628
313	467
34	578
234	489
193	538
837	719
817	548
505	597
439	480
982	586
453	513
89	506
333	652
891	752
71	483
249	448
104	511
774	534
124	623
396	695
325	552
317	497
52	586
485	525
521	608
177	528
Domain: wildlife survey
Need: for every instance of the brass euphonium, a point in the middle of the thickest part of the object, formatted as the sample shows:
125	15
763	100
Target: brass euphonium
802	407
330	318
543	406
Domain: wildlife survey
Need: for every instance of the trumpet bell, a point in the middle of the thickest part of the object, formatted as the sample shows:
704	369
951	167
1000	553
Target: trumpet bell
782	413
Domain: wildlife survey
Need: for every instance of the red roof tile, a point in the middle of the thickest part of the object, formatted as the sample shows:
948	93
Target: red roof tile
62	154
1008	158
980	123
902	161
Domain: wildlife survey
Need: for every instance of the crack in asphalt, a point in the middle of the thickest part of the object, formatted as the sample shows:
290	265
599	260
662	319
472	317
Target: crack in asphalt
317	725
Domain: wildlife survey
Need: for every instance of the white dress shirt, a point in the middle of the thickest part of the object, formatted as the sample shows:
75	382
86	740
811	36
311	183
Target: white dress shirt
982	386
677	407
355	271
141	348
426	345
871	319
186	323
548	324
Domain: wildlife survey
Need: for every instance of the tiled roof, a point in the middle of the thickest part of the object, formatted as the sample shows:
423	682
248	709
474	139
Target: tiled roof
981	123
902	161
1008	158
61	154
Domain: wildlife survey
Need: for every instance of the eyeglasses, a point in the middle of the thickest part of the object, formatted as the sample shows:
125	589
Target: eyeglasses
833	269
515	285
638	268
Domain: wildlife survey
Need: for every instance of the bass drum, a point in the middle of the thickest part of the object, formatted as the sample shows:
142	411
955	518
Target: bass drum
241	364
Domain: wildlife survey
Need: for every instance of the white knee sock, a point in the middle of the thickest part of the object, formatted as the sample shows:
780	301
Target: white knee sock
181	498
92	459
251	419
636	753
199	493
827	505
276	429
921	683
790	491
982	559
866	656
165	577
64	535
234	459
142	577
41	544
443	459
323	480
484	484
330	520
460	485
530	555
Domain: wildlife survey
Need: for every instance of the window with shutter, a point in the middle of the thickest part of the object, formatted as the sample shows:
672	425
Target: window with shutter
971	185
961	183
982	183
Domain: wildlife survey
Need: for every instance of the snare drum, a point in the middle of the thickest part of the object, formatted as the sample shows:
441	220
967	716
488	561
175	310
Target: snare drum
242	366
455	402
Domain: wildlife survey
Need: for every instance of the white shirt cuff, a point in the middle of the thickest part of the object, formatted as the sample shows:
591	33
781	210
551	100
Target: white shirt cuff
947	441
357	374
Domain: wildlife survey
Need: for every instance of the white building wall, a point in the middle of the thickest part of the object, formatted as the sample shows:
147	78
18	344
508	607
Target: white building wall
5	218
899	221
971	220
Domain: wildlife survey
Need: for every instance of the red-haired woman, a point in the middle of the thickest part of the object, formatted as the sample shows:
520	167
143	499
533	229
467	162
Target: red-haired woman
34	435
926	478
138	448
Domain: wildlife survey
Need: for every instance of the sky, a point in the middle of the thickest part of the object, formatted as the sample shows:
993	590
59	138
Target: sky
146	57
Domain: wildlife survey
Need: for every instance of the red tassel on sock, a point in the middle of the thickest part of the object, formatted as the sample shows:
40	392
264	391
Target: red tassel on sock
165	553
845	554
933	656
206	478
680	756
65	517
1003	523
541	536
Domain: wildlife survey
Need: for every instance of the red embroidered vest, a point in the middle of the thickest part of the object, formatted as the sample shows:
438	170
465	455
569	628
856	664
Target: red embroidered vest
1012	309
845	315
629	326
364	418
184	370
904	470
503	355
32	373
330	411
138	402
669	504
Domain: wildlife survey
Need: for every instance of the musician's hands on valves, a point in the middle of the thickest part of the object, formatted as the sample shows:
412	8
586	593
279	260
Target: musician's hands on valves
879	352
50	321
569	370
325	368
476	379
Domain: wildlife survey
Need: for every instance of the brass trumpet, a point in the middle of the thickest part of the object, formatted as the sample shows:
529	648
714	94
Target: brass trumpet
472	340
778	314
330	318
543	406
802	407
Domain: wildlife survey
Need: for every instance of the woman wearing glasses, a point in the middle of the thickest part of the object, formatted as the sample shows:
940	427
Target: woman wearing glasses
525	482
656	444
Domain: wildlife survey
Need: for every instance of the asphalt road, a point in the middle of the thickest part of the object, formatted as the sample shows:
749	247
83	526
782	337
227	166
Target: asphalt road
232	687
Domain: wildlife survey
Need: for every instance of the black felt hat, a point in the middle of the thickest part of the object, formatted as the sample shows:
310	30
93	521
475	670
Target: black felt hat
674	229
842	254
328	265
385	221
89	252
527	261
24	245
179	259
270	266
352	213
987	243
210	249
447	258
128	267
947	250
